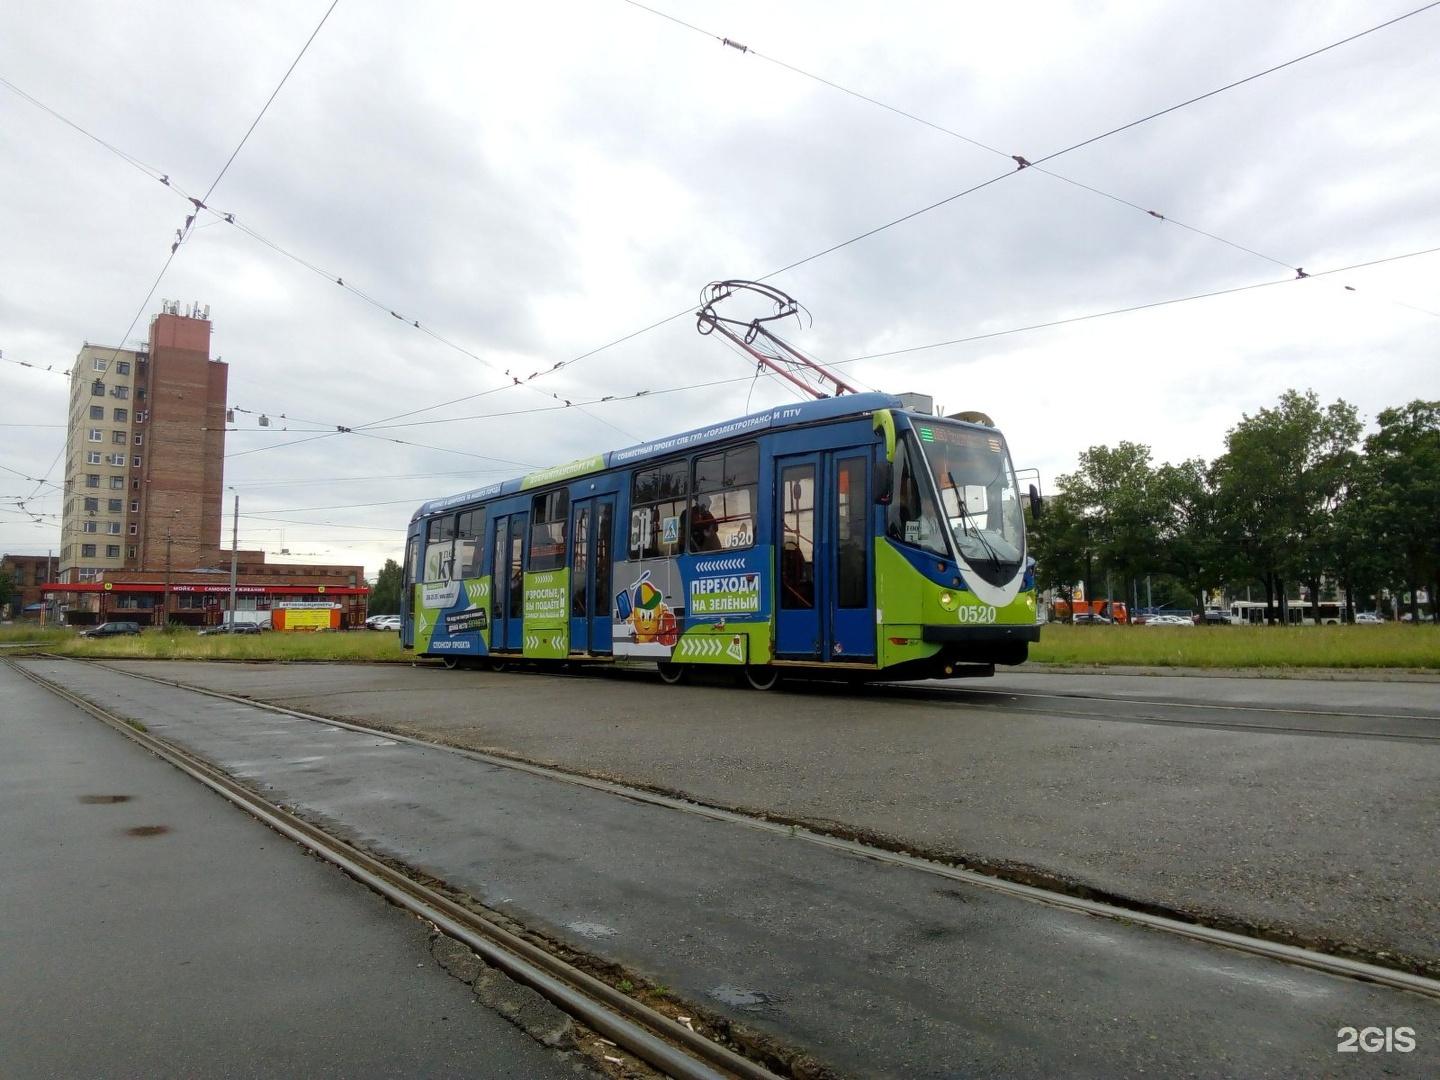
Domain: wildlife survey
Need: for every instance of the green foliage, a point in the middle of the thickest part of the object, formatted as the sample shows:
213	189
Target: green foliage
7	587
1394	645
385	593
1294	506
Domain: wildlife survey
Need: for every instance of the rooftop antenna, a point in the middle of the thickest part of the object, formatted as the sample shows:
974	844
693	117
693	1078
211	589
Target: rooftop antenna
782	358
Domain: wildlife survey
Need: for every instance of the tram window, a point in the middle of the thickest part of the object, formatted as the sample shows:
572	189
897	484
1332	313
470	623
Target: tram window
797	546
852	567
912	517
547	530
412	559
469	535
440	549
579	566
497	570
723	512
658	501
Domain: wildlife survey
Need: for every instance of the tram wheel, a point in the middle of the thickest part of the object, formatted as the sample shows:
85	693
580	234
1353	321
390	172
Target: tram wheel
672	673
498	663
761	676
451	662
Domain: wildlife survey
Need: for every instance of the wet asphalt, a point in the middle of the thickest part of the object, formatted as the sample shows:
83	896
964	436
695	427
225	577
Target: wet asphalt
883	972
151	929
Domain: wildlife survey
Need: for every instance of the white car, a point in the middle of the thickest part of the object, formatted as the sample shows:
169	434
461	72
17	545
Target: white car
383	622
1367	618
1168	620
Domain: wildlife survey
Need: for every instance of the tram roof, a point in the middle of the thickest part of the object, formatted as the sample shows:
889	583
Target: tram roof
782	416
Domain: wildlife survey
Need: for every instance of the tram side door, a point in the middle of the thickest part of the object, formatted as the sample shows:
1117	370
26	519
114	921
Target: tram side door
592	530
825	583
507	592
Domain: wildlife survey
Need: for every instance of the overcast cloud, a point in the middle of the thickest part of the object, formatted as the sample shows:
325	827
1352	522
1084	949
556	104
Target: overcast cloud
531	182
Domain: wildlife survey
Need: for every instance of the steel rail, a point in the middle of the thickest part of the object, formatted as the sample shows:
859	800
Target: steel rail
654	1038
1327	963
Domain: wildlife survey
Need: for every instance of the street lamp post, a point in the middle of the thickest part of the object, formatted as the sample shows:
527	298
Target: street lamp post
165	604
234	556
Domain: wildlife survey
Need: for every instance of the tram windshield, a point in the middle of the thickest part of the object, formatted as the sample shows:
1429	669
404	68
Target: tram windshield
979	496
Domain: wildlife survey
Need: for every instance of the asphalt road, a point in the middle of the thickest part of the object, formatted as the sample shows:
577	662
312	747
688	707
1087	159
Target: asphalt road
1323	837
151	929
880	971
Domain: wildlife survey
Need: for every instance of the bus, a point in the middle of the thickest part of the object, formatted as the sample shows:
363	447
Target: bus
1299	612
847	535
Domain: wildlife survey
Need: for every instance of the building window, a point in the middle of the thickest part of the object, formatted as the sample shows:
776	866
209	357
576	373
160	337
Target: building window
113	528
120	437
135	461
92	480
122	416
116	459
20	575
140	439
122	367
117	483
93	457
97	412
134	506
131	551
97	389
92	505
134	530
135	484
98	364
96	435
120	391
89	573
112	551
140	390
87	551
89	526
117	506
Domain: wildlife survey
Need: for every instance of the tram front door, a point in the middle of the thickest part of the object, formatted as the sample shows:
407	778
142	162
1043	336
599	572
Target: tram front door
825	602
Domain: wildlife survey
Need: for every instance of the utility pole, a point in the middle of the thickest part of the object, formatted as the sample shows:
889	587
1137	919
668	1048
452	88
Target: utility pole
165	604
234	556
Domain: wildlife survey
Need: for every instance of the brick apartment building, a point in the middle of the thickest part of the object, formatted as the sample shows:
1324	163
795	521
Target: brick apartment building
144	485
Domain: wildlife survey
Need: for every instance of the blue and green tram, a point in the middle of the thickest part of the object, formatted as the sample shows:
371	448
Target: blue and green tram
848	536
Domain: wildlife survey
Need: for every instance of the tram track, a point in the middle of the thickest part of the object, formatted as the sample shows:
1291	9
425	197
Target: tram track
1025	882
1204	716
673	1049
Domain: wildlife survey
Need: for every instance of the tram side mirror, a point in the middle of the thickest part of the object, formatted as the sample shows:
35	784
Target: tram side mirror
884	482
1036	504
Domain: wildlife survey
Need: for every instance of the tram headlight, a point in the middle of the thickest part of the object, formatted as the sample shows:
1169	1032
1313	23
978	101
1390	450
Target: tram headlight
948	601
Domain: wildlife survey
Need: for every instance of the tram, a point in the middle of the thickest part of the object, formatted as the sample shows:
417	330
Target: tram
848	537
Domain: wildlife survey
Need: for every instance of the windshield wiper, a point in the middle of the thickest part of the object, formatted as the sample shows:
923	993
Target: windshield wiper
968	521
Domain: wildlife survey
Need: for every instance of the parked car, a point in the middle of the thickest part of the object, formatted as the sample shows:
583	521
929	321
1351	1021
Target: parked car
111	629
1215	616
383	622
1367	618
1168	620
237	628
1092	619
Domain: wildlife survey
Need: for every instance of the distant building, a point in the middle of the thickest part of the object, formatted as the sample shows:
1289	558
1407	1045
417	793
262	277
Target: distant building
144	484
29	573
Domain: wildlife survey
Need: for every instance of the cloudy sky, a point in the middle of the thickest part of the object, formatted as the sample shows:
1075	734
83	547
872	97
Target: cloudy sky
553	183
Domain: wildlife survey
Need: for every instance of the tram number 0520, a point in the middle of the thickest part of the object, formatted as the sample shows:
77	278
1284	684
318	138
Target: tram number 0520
976	613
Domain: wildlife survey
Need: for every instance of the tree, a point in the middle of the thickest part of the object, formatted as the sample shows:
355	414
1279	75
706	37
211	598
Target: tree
7	588
1400	496
1189	534
1282	474
385	593
1113	496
